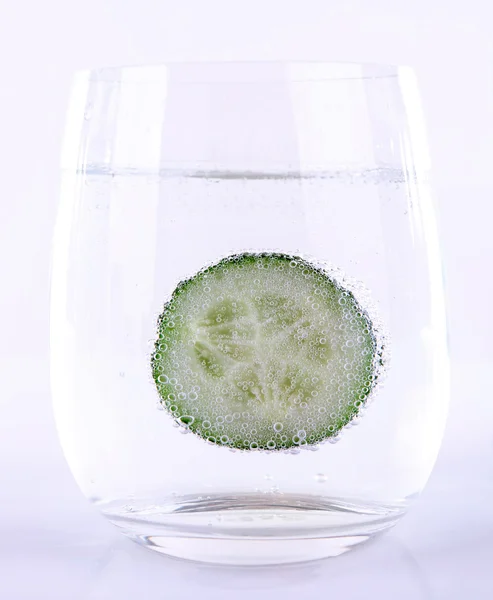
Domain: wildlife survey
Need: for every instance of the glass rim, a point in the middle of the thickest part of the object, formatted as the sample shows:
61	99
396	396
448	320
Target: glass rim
244	71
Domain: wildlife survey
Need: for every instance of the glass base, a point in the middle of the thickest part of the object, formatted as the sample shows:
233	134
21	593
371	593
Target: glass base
252	529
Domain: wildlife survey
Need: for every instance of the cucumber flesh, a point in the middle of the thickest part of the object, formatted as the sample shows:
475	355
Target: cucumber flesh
264	351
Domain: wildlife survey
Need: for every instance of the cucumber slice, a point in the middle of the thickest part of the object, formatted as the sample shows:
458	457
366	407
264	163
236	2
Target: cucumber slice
264	351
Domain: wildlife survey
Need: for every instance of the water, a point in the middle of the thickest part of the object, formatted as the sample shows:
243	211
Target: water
125	240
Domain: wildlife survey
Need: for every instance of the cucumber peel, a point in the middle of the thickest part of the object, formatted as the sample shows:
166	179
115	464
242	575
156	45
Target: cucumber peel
264	352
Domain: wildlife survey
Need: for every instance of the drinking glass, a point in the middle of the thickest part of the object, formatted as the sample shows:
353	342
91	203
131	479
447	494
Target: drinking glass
168	169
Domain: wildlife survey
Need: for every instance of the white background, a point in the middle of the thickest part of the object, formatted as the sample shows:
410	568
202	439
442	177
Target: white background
52	545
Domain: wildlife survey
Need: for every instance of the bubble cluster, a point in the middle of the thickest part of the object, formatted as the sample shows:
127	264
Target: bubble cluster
266	352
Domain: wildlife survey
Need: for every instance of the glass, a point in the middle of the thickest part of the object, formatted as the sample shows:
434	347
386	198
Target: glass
170	168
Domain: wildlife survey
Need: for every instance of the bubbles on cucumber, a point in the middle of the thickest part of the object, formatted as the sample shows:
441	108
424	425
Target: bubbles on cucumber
267	352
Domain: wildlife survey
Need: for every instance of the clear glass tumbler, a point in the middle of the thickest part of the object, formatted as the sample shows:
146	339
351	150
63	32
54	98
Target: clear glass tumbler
169	169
